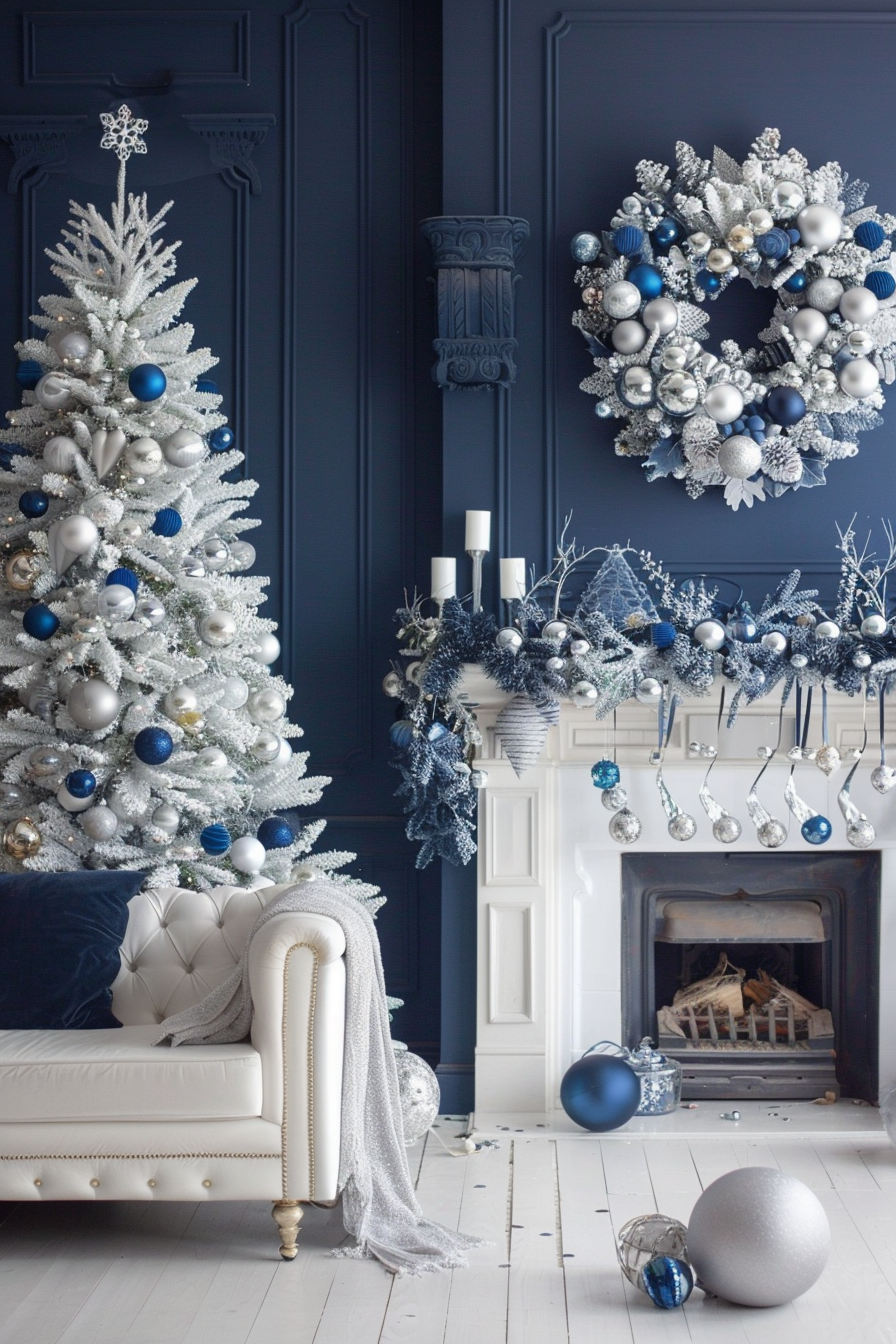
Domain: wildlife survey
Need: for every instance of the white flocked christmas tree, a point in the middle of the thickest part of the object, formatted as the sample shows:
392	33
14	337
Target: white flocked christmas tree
143	727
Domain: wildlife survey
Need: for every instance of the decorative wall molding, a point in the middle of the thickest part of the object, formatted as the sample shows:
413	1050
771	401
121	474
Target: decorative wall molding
510	983
231	140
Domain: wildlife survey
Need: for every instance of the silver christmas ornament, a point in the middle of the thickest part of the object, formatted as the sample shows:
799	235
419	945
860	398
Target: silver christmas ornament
43	762
149	611
883	777
73	346
12	801
621	299
824	293
740	457
726	829
625	827
266	706
104	510
859	305
418	1095
719	260
215	554
799	660
192	567
583	694
775	641
266	649
808	324
660	315
212	760
678	393
636	387
579	647
60	453
824	381
555	631
723	403
53	393
628	337
392	684
819	227
266	747
861	659
242	555
180	700
772	833
106	448
700	243
21	571
184	448
166	818
787	198
144	456
247	854
615	798
86	627
649	691
218	629
874	626
760	221
70	802
674	357
827	758
284	754
235	692
682	826
858	378
93	704
555	664
827	630
710	635
130	530
99	823
510	639
860	834
115	603
859	343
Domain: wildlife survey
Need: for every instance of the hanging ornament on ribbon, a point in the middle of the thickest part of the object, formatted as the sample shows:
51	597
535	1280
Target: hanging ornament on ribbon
725	827
883	776
681	825
814	828
859	831
625	827
827	758
769	831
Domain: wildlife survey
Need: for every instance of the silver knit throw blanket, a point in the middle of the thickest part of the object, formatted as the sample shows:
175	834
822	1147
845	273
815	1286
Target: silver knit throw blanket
379	1206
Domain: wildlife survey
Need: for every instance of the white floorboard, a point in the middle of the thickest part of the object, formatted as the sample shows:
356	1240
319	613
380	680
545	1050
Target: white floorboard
548	1201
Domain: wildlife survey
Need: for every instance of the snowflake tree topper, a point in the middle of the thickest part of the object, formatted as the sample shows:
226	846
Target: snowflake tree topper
123	133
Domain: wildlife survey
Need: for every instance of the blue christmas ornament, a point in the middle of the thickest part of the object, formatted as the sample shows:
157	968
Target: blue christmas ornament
796	284
785	405
605	775
276	833
402	733
794	236
585	248
646	279
666	232
34	503
221	440
168	523
817	830
206	385
667	1282
870	235
600	1092
39	622
29	374
436	731
773	245
881	283
81	783
662	634
147	382
628	240
127	577
215	839
708	282
153	746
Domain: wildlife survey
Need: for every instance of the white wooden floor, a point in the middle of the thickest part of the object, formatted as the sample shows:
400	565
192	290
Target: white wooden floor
102	1273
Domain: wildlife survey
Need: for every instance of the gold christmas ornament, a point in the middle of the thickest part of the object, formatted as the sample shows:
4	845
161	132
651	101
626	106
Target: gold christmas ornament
21	570
192	722
740	239
22	839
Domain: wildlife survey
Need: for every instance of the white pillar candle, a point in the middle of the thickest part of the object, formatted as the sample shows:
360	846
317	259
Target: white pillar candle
513	578
478	530
443	583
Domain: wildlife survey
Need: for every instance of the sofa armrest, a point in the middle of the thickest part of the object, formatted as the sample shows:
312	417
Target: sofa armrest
297	981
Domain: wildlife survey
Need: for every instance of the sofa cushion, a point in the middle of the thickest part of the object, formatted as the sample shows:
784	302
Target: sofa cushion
59	940
121	1075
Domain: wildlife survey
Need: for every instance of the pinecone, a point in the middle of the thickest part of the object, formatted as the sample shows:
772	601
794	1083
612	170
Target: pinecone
781	461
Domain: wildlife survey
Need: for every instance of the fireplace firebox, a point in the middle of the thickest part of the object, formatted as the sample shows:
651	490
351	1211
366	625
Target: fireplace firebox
757	972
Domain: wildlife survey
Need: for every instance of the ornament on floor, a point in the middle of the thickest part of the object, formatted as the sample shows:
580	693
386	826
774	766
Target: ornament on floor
644	1238
761	421
859	830
668	1282
600	1091
418	1095
758	1237
725	827
660	1079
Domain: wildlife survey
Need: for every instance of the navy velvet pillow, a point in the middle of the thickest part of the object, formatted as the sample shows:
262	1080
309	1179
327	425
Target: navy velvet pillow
59	940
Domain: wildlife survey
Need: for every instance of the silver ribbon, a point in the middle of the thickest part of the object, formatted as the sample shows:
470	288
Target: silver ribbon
851	814
711	806
670	807
755	810
798	806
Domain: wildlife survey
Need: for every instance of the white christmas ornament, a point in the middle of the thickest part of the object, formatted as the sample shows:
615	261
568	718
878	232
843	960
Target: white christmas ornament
234	693
106	448
53	393
166	818
859	378
807	324
723	403
819	227
621	299
266	706
60	453
267	649
859	305
740	457
184	448
93	704
212	759
144	456
284	754
266	747
247	854
218	629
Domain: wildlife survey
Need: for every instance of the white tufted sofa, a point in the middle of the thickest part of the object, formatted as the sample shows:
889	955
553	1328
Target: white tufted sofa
108	1115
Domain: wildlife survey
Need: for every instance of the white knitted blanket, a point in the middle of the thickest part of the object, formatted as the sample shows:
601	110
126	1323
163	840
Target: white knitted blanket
379	1206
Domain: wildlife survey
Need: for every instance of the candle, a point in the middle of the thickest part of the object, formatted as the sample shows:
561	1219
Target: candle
443	582
513	578
478	530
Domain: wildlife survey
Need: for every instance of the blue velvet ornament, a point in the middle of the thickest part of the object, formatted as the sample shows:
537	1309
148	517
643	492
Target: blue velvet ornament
796	284
881	283
773	245
870	235
785	405
605	775
168	523
206	385
40	622
666	232
662	634
667	1282
153	746
600	1092
127	577
147	382
215	839
29	374
585	248
817	830
402	733
708	282
646	280
276	833
221	440
81	783
34	503
628	240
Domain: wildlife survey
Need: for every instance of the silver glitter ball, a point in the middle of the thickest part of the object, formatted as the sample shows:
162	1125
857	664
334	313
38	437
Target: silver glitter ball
860	834
418	1095
621	299
615	798
682	826
827	759
726	830
824	294
625	827
883	777
772	833
874	625
678	393
99	822
740	457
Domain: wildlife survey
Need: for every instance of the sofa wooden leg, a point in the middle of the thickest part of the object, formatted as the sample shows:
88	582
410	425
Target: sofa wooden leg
287	1214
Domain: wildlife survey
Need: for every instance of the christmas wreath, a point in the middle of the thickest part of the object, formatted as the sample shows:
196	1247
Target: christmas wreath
760	421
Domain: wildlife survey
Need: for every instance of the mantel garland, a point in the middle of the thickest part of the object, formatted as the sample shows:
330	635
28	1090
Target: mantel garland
652	639
757	422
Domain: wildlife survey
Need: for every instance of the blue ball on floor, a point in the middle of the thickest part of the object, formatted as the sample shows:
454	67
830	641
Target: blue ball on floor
667	1282
600	1092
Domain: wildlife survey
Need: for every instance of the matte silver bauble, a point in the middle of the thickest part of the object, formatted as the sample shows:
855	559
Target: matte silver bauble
625	827
180	700
827	758
266	649
859	305
392	685
215	554
860	834
212	760
266	705
723	403
266	747
218	629
787	198
719	260
824	294
649	691
775	641
418	1095
660	315
149	611
628	337
682	826
192	567
21	571
115	603
678	393
93	704
247	854
636	387
819	227
583	694
621	299
184	448
827	630
53	393
858	378
60	453
242	555
100	822
740	457
874	625
77	533
73	346
767	1270
615	798
710	635
772	833
808	324
43	762
144	456
235	693
760	221
166	818
106	448
883	777
555	631
726	829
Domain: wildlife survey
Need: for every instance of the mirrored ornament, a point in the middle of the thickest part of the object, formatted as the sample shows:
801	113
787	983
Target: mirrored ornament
772	833
827	630
674	357
234	693
149	611
874	626
628	337
799	660
166	818
858	378
509	639
808	324
21	571
682	826
859	343
242	555
719	260
625	827
22	839
53	393
93	704
861	659
787	197
723	403
859	305
636	387
775	641
44	762
740	457
106	448
73	346
248	854
883	778
827	758
583	694
99	823
585	248
266	649
819	227
115	603
179	700
860	834
816	830
760	220
12	800
266	747
678	393
649	691
60	453
555	631
144	456
212	759
184	448
218	629
479	778
660	315
614	798
710	635
579	647
86	627
726	829
284	752
621	299
215	554
266	706
192	567
418	1095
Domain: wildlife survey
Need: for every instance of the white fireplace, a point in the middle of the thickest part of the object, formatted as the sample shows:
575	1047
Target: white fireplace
550	960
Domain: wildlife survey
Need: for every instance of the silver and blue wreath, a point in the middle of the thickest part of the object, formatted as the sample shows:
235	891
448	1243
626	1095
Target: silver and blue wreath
756	422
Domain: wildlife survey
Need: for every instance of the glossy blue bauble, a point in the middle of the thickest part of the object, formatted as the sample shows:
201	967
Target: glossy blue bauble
402	733
881	283
81	783
646	280
628	240
206	385
773	245
276	833
29	374
221	440
147	382
796	284
585	248
153	746
667	1282
605	775
742	628
39	622
662	634
666	232
127	577
34	503
168	523
817	830
215	839
600	1092
785	405
870	235
708	282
